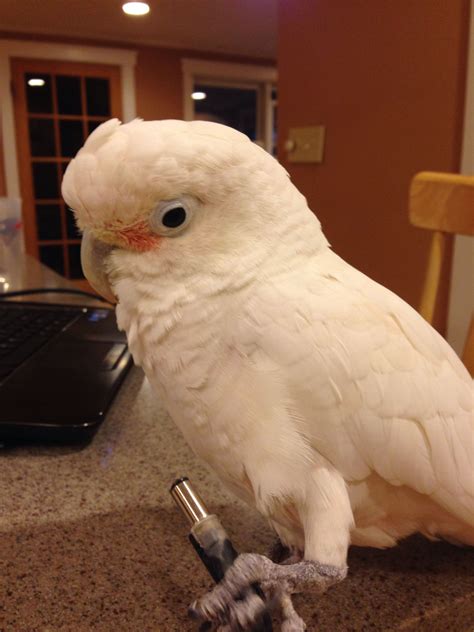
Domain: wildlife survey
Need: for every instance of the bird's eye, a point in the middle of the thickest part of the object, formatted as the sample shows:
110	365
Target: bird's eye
174	217
170	218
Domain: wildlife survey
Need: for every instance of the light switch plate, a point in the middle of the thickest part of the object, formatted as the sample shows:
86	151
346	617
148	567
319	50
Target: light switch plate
306	144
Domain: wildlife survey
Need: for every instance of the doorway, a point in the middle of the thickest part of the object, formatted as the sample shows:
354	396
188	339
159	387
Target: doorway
57	105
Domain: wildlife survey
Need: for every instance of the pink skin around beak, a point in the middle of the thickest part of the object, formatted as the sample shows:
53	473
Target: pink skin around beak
94	252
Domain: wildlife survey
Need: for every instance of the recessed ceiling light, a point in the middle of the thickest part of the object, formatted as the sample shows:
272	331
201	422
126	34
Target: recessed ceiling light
198	96
136	8
36	82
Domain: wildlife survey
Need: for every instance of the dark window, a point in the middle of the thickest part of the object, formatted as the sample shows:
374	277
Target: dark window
62	110
68	91
52	256
75	269
236	107
45	180
48	221
71	136
42	137
39	98
97	97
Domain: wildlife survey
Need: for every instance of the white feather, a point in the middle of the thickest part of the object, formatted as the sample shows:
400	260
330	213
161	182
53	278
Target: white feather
314	392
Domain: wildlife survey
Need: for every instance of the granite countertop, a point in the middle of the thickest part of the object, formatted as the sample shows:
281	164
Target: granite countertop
91	541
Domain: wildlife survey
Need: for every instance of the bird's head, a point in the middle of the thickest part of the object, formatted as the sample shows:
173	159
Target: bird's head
187	196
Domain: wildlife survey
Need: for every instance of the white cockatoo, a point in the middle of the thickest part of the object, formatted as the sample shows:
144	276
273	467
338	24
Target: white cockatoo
314	393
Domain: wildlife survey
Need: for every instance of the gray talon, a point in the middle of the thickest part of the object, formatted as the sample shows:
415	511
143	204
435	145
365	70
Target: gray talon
224	607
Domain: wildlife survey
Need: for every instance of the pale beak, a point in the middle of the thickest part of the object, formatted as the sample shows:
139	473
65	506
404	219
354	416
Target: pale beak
93	258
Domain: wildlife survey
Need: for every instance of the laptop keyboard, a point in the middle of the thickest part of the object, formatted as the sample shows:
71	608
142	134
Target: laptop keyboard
23	330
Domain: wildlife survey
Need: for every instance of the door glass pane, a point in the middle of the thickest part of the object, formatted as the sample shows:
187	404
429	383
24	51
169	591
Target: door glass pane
52	256
72	230
45	180
236	107
75	268
72	139
68	91
97	96
42	137
48	221
38	96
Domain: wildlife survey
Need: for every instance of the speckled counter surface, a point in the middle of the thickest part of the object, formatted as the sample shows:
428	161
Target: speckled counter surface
90	541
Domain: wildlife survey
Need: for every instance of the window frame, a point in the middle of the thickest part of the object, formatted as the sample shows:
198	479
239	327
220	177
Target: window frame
233	75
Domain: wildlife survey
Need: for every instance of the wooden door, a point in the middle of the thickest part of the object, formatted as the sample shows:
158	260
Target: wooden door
57	105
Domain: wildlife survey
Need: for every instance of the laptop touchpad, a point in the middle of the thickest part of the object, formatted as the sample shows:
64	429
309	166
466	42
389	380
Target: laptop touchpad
83	354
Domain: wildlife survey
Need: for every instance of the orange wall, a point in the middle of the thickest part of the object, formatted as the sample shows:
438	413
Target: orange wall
387	79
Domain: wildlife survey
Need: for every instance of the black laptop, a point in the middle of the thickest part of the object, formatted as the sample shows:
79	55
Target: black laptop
60	368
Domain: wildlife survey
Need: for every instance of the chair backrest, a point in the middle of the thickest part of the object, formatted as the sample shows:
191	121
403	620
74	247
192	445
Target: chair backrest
444	204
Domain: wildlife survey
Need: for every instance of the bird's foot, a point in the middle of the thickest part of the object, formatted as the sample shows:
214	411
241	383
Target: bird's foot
233	606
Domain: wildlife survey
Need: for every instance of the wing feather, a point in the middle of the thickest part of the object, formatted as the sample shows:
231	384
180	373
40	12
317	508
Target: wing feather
378	388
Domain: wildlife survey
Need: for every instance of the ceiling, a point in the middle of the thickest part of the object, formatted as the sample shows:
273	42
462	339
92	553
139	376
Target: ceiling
241	27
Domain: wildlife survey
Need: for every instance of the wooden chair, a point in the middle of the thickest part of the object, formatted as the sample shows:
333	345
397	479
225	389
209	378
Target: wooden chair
444	204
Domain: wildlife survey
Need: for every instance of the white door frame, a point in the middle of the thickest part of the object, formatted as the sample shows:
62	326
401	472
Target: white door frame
125	59
461	298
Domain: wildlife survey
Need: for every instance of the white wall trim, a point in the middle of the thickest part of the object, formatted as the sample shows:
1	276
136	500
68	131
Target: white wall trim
461	301
125	59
